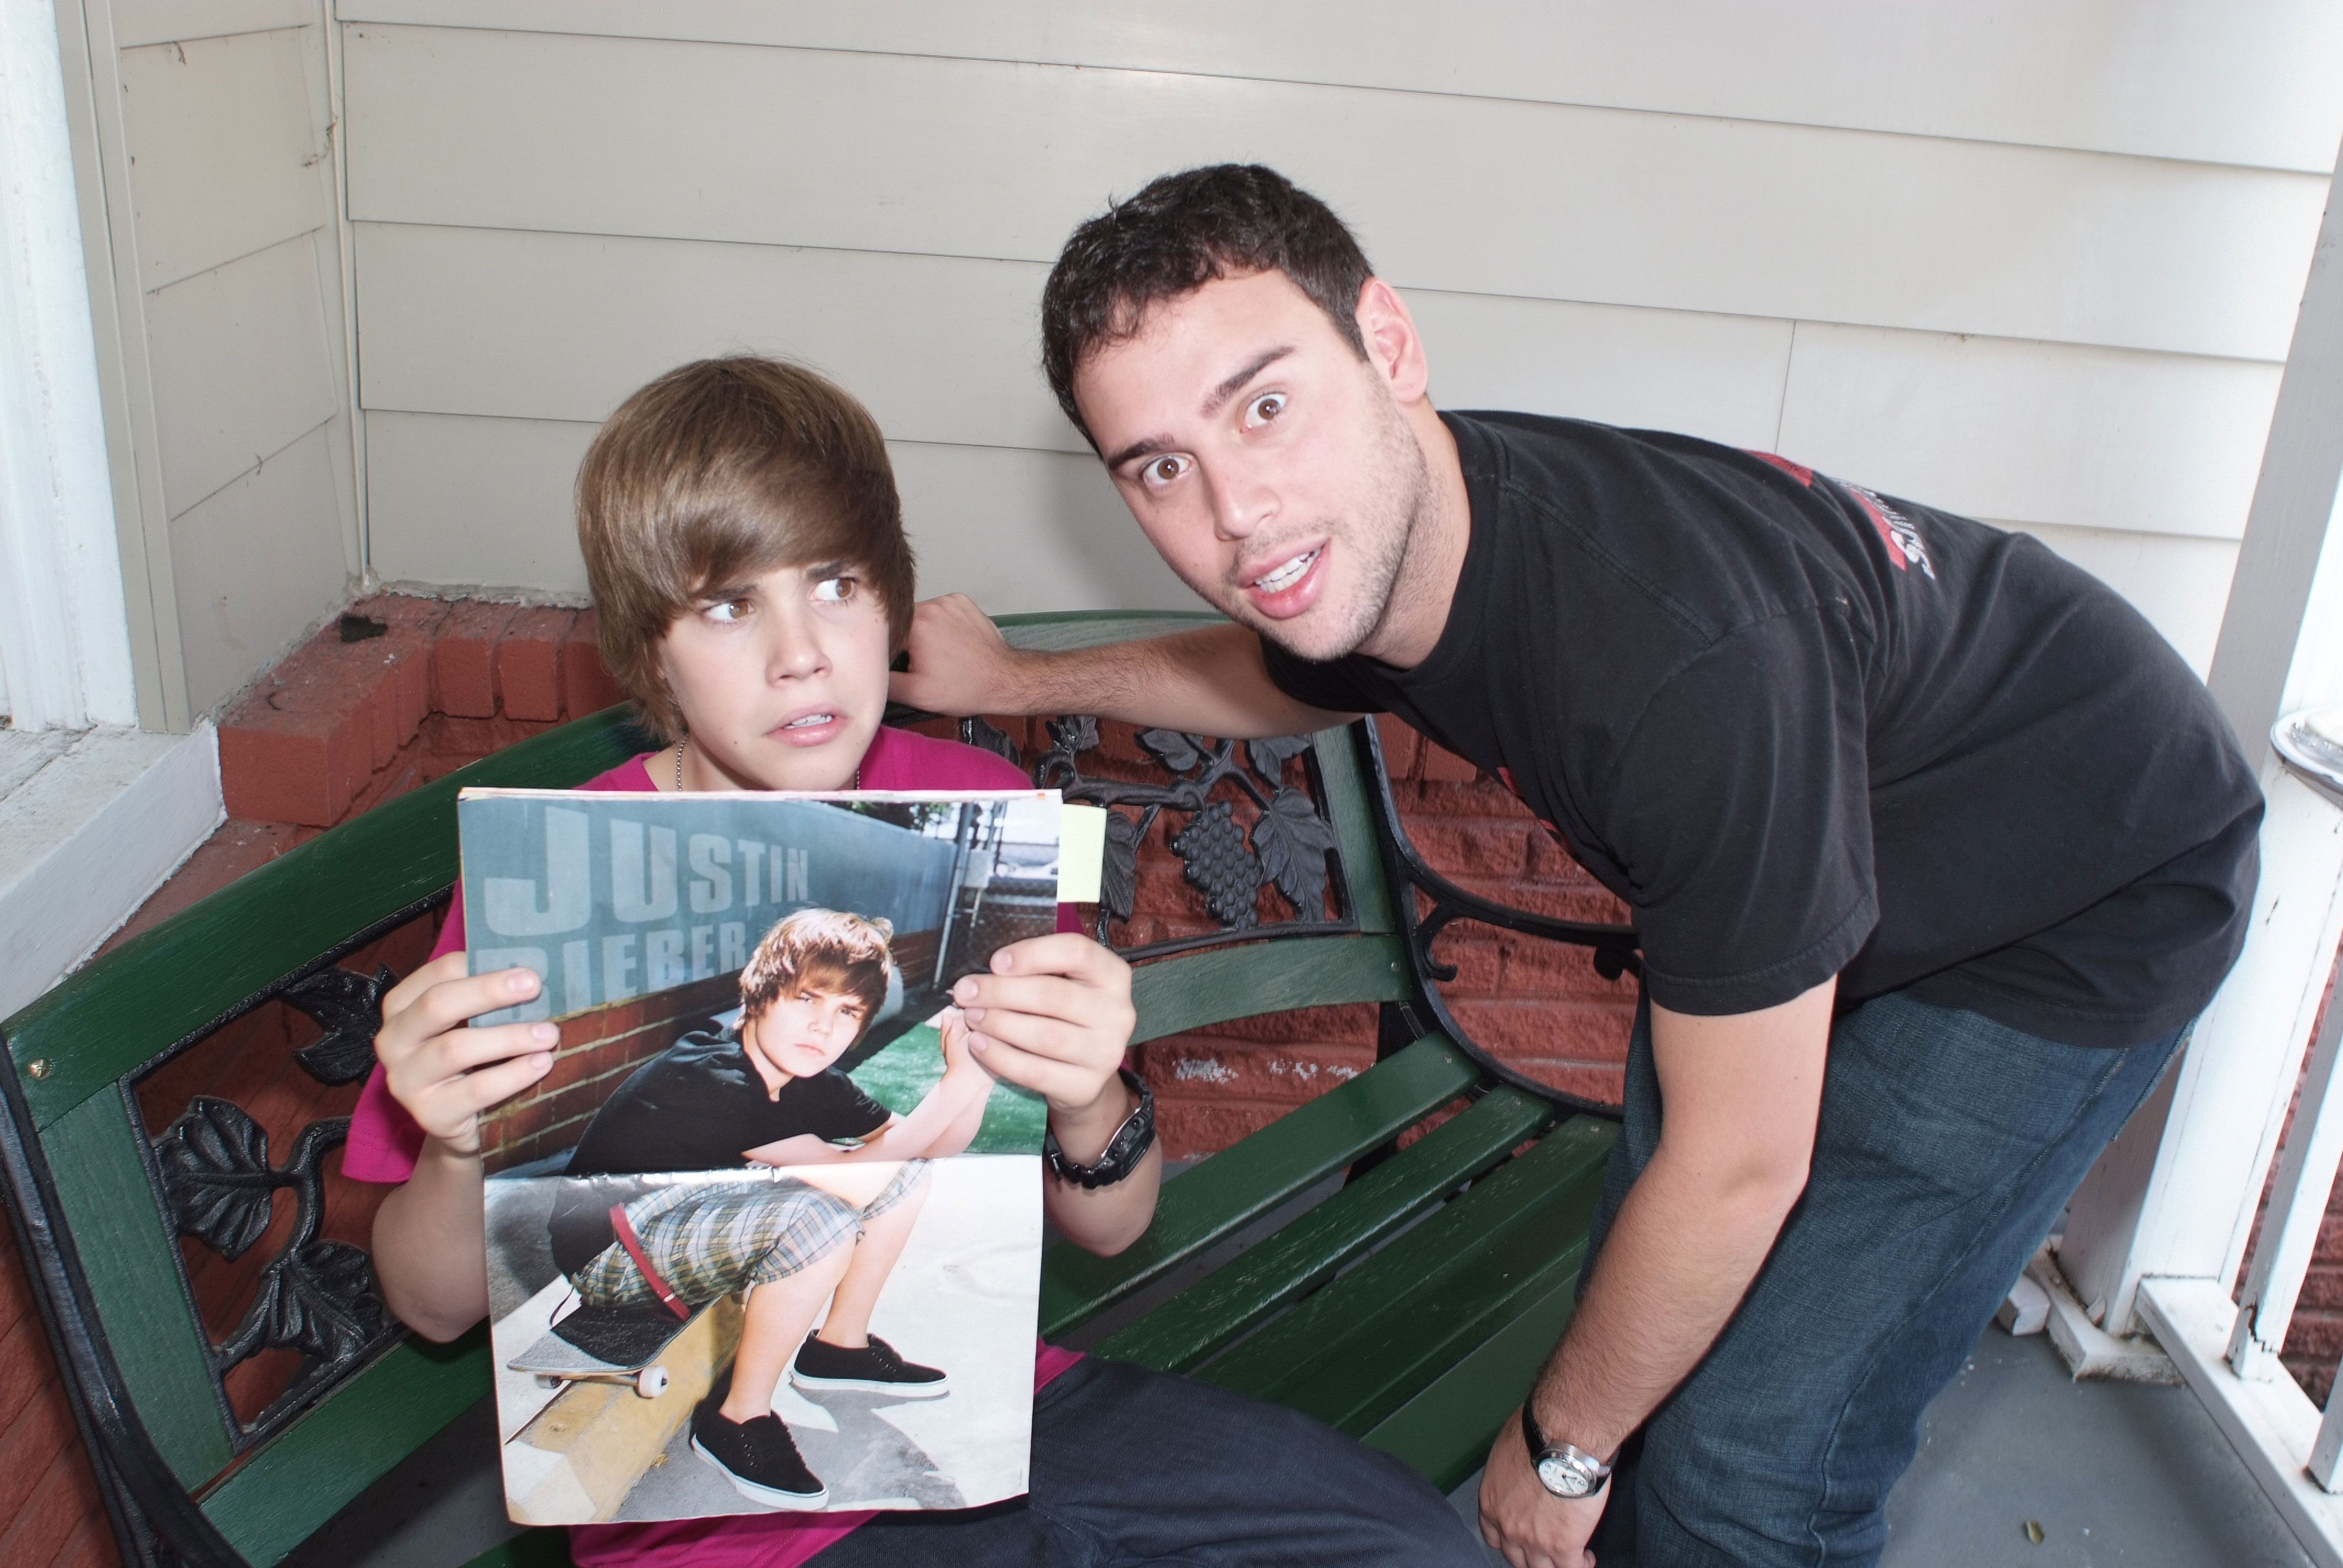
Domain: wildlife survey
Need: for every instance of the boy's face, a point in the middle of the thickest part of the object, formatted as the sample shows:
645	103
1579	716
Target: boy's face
798	1035
781	678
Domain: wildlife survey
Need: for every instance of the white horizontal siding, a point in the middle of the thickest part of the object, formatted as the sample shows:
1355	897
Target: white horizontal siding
137	22
526	324
255	563
2245	84
1716	377
2037	432
222	157
488	501
564	326
2033	263
241	367
867	152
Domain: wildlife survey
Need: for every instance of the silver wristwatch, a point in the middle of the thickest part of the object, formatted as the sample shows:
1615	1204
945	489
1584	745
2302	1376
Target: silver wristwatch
1564	1471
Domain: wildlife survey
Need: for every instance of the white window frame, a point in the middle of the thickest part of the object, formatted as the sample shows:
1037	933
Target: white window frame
65	637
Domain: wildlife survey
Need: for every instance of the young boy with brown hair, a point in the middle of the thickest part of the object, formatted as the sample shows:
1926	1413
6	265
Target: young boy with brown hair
745	548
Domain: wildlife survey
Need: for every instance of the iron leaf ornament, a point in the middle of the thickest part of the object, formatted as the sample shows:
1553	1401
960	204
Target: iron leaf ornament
216	1176
317	1297
348	1007
1119	874
1292	842
1246	826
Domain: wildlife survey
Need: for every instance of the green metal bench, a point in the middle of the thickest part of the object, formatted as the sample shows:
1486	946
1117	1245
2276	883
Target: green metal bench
1405	1295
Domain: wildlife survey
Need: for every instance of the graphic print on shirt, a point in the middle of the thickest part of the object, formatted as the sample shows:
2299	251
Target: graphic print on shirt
1798	471
1896	531
1900	533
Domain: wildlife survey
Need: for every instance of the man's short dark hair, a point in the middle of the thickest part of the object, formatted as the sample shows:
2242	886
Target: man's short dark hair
1179	234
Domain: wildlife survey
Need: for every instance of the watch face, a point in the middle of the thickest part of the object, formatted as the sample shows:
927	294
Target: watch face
1561	1477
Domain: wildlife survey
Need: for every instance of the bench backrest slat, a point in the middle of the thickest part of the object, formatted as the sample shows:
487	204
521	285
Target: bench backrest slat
129	1261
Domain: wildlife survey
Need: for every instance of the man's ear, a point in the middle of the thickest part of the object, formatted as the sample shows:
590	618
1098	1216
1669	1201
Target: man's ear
1393	348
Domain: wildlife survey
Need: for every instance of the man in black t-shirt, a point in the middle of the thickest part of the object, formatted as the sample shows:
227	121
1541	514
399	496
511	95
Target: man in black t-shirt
1935	847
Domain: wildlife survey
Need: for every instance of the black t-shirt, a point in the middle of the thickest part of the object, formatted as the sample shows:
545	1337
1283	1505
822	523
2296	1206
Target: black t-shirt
698	1105
1804	730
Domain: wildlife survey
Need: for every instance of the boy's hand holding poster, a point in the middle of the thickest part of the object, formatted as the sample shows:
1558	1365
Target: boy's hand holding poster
767	1235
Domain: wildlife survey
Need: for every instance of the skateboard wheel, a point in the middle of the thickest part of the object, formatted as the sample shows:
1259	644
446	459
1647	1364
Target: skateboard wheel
544	1381
651	1381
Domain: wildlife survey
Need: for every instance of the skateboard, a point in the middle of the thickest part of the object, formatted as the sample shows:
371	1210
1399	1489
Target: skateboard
607	1345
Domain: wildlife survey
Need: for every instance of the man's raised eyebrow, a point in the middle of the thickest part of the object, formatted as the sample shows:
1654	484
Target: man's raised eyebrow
1148	445
1230	387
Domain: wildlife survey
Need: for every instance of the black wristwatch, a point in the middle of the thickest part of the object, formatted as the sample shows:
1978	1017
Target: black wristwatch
1123	1151
1564	1471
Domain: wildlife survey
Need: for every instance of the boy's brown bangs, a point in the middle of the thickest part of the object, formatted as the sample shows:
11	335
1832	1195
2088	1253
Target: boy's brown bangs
865	981
717	473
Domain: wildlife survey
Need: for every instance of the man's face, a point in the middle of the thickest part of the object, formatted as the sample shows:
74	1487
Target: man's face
1266	462
799	1034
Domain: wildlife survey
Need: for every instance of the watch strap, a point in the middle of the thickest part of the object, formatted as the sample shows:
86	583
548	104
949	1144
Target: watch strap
1123	1151
1597	1470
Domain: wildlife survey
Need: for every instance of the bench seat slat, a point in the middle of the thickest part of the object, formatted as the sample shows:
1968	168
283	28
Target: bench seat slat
1363	1345
1307	1250
1444	1430
272	1502
1197	989
1254	1176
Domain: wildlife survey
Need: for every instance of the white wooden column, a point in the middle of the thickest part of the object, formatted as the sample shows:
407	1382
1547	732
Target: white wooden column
64	640
2179	1201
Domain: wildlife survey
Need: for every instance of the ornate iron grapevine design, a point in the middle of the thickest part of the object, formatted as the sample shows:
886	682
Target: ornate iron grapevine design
317	1298
1285	840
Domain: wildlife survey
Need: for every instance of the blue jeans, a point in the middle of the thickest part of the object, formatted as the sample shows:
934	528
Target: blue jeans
1134	1467
1948	1145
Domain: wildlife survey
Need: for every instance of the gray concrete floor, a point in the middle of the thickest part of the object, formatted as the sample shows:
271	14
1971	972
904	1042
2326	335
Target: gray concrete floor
2114	1473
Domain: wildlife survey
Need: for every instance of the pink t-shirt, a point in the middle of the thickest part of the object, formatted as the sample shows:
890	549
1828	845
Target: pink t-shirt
384	1141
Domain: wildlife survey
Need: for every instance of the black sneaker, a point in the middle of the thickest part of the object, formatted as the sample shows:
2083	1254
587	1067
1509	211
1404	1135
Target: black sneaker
759	1457
873	1369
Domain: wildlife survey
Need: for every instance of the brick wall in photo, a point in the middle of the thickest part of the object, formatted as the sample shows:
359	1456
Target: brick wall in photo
597	1050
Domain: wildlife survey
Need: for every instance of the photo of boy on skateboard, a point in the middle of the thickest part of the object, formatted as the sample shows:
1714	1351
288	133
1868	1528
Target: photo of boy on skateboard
767	1092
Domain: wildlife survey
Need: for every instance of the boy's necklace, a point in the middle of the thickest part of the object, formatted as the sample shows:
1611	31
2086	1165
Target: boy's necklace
678	770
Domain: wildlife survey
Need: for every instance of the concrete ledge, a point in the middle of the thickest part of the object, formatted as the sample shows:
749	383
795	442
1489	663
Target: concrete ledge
85	838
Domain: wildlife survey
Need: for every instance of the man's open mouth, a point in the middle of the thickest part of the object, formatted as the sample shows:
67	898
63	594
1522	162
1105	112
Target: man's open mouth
1286	575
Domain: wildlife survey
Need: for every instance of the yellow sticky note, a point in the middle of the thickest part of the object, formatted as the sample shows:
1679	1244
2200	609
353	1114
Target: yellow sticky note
1082	845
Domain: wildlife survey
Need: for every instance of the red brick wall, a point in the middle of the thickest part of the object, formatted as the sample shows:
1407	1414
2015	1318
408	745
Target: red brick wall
1539	1008
338	728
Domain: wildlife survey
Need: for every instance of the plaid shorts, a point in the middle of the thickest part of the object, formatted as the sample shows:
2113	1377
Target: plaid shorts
709	1238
